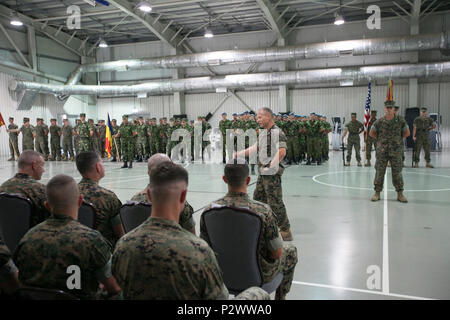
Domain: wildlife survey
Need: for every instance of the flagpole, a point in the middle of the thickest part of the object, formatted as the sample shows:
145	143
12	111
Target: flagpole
117	149
14	148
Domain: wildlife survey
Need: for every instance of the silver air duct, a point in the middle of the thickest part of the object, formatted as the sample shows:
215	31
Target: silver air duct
322	76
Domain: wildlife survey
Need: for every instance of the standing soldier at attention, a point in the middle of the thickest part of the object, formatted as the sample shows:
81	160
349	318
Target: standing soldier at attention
102	137
67	133
13	131
126	134
389	132
93	139
302	138
152	132
47	150
55	140
85	131
163	135
355	128
40	138
76	137
224	125
141	130
170	130
370	142
397	114
28	134
291	130
326	129
313	139
115	150
421	136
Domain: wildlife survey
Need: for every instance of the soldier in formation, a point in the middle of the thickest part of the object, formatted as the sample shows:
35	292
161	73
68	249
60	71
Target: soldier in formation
421	136
55	140
354	128
13	131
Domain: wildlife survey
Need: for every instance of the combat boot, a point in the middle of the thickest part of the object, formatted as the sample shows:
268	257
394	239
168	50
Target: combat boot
319	162
286	235
359	164
72	158
401	197
429	165
347	164
376	197
131	165
114	159
139	159
125	165
11	159
295	161
50	158
368	164
58	159
415	165
308	162
288	161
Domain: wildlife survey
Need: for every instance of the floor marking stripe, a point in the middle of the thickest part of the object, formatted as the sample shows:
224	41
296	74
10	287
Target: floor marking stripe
385	271
360	290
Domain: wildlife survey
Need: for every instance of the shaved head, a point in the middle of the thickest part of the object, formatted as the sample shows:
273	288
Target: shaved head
62	194
27	158
157	159
167	181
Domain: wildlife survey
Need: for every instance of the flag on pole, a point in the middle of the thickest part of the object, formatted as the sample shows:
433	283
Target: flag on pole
2	122
367	109
390	93
108	139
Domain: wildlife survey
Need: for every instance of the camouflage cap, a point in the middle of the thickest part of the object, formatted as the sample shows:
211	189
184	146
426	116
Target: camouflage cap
184	120
153	119
82	115
423	109
172	119
53	119
389	104
373	112
396	107
125	116
140	118
164	118
26	120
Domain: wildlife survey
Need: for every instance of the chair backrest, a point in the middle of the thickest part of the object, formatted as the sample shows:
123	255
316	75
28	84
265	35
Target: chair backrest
234	235
133	214
86	214
15	215
34	293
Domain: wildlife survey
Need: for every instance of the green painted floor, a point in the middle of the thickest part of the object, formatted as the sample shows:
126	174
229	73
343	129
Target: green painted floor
340	234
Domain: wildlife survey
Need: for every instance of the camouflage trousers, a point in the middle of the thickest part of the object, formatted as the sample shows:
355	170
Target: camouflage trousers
127	149
325	145
152	146
55	146
422	142
253	293
94	144
395	158
84	145
67	147
14	147
314	147
353	142
287	265
302	146
371	142
101	146
293	148
40	147
141	146
27	144
76	144
162	146
114	149
268	190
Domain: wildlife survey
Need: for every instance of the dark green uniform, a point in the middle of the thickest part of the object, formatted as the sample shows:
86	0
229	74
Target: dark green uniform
141	142
14	141
291	129
84	129
370	142
126	138
55	141
225	125
354	129
27	137
41	143
423	126
163	137
67	133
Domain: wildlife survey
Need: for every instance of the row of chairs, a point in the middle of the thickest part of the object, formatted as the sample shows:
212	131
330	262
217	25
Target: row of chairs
234	235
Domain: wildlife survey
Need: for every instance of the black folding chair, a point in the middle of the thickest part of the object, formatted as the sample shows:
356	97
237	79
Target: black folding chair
86	214
133	214
35	293
15	215
234	235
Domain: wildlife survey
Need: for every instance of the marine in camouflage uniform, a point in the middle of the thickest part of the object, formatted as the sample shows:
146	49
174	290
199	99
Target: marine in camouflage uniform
76	137
29	188
13	130
85	131
47	250
163	135
93	140
126	134
40	139
225	125
141	143
269	241
354	128
421	135
28	133
389	132
116	141
291	129
7	267
370	142
161	260
46	149
268	186
153	133
55	140
107	206
186	216
67	134
313	143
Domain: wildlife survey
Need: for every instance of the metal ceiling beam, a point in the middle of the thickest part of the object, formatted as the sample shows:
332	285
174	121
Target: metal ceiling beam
13	44
59	37
157	28
274	18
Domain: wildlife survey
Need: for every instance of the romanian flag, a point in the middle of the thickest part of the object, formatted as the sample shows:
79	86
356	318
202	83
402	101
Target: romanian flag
2	122
108	139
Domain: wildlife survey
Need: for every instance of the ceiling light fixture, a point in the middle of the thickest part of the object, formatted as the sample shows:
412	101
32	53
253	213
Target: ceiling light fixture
208	33
103	43
339	20
144	6
15	20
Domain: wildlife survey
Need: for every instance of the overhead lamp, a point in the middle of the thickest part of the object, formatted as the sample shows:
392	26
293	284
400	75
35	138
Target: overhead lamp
144	6
208	33
15	20
103	43
339	19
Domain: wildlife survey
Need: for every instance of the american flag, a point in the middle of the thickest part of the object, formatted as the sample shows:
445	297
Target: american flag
367	109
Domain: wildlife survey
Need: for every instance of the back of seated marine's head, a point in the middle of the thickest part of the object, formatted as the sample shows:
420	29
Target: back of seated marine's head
236	173
89	163
63	196
157	159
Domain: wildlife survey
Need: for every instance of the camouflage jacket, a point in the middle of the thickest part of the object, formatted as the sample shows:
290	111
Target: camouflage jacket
312	128
141	131
389	134
27	132
29	188
423	125
84	129
7	266
13	135
291	129
40	132
67	132
164	131
265	142
107	207
354	128
186	216
161	260
126	131
102	132
47	250
54	132
224	125
270	239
